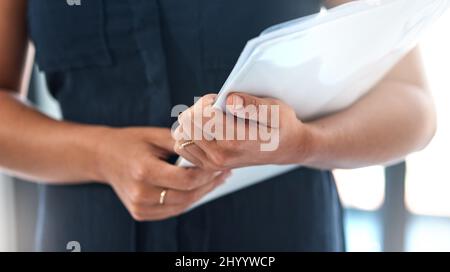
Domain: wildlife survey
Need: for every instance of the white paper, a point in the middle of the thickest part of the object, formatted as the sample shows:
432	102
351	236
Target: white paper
324	63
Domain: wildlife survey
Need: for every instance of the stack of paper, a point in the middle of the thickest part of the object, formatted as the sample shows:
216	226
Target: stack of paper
324	63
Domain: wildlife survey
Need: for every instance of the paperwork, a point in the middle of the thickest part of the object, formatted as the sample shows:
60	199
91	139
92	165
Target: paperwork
324	63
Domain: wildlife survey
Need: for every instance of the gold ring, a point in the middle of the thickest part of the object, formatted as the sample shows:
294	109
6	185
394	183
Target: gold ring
162	197
185	144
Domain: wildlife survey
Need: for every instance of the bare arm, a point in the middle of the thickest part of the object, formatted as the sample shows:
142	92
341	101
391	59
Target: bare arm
32	144
397	117
42	149
130	160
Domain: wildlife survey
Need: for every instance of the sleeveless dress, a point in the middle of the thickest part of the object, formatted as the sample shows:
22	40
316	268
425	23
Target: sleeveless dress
126	63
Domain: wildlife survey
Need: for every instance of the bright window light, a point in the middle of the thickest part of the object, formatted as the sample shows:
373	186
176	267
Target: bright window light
361	188
428	172
429	234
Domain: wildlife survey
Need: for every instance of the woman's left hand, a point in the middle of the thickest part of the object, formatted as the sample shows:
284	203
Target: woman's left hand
253	131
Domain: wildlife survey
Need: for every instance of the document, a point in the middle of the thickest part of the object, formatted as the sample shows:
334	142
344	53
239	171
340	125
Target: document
323	63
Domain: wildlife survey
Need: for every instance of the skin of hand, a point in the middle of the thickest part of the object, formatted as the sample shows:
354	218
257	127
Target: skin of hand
132	160
234	152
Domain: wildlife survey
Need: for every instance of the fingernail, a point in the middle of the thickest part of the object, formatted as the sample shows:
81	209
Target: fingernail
238	102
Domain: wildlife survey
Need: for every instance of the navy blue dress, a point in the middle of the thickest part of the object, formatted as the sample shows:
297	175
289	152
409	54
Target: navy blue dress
126	63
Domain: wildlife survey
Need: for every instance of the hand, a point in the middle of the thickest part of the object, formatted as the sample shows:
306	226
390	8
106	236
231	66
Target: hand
272	133
131	160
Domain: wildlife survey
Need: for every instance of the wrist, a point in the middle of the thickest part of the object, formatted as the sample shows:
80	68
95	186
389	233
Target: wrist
95	149
316	143
309	141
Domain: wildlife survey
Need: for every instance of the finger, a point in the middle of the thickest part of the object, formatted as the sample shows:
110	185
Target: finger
151	196
203	110
199	106
201	122
175	197
156	213
218	181
177	202
162	139
211	154
179	178
207	144
204	124
186	153
196	152
178	135
262	110
185	130
207	99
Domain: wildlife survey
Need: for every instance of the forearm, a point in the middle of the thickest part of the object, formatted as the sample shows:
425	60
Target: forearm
39	148
394	119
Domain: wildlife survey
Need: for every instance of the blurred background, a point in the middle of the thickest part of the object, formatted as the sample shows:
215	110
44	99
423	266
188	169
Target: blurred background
405	207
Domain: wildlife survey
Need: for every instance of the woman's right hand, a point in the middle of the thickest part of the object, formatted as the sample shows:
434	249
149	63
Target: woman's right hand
132	161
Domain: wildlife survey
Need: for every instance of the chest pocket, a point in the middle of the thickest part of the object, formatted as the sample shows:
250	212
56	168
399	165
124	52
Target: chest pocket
68	34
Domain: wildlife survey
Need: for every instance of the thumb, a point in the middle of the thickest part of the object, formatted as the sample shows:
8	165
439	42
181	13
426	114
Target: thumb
260	110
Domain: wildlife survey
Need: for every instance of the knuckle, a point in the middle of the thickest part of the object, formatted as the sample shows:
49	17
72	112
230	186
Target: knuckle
138	172
185	119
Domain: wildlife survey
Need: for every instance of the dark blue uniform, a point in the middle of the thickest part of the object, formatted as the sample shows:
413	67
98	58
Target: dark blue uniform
126	63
